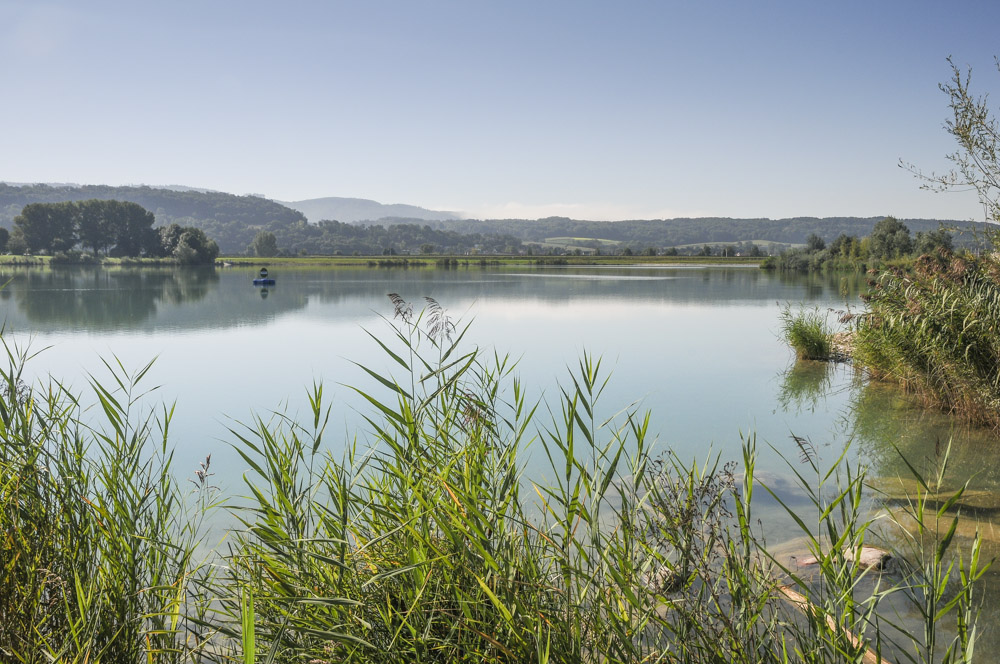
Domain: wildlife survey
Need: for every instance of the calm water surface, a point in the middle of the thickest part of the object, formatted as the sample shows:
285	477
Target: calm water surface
697	346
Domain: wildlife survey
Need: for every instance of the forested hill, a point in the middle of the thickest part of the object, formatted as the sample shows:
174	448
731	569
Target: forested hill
684	231
349	210
232	221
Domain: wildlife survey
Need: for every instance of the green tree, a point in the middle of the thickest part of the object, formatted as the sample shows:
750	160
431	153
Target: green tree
194	247
815	243
264	244
92	225
930	241
4	238
890	239
132	228
47	227
976	131
169	237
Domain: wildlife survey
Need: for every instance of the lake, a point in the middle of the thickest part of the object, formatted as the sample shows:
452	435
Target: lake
697	346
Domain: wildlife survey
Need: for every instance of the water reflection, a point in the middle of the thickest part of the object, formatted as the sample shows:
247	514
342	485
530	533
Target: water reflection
804	386
100	299
891	425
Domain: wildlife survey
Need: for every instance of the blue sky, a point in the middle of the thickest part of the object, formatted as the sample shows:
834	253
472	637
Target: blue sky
593	110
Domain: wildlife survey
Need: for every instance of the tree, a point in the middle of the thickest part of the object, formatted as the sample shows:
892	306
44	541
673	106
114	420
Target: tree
977	160
169	237
132	228
4	237
47	227
264	244
815	243
194	247
890	239
930	241
92	225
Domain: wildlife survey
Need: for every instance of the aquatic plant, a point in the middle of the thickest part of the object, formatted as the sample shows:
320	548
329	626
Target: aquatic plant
428	541
936	331
433	544
808	332
97	540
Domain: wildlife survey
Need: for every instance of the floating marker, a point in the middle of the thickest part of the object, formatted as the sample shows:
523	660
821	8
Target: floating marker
263	280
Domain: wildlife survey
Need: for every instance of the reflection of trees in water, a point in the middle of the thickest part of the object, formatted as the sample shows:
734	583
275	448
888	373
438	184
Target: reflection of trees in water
890	428
890	425
559	284
846	285
106	299
804	386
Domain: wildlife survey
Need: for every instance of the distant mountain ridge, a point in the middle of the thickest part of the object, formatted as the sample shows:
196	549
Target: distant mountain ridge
337	225
351	210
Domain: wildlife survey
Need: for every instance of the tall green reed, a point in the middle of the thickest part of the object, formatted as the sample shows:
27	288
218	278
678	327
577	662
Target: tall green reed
937	332
808	332
430	541
97	539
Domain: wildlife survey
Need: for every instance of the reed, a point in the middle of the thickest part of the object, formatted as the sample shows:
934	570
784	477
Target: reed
429	542
97	540
936	331
808	332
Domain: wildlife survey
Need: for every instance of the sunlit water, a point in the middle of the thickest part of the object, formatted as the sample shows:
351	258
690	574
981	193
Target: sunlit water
699	347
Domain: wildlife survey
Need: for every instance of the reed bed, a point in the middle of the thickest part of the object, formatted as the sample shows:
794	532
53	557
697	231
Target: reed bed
936	331
428	543
808	332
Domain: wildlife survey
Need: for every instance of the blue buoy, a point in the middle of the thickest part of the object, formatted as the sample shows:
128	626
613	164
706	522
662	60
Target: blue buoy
263	280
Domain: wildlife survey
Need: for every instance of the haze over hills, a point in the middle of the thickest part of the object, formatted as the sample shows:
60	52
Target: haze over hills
350	210
352	225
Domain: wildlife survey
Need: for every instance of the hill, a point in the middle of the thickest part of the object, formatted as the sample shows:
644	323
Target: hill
639	234
350	210
232	221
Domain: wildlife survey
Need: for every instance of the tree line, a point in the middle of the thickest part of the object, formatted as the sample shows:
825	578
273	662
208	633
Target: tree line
109	227
336	238
230	220
890	239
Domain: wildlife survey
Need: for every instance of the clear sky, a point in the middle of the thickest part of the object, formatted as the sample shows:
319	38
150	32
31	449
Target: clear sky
595	110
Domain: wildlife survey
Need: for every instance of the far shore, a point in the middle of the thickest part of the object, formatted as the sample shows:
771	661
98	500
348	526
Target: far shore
432	260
